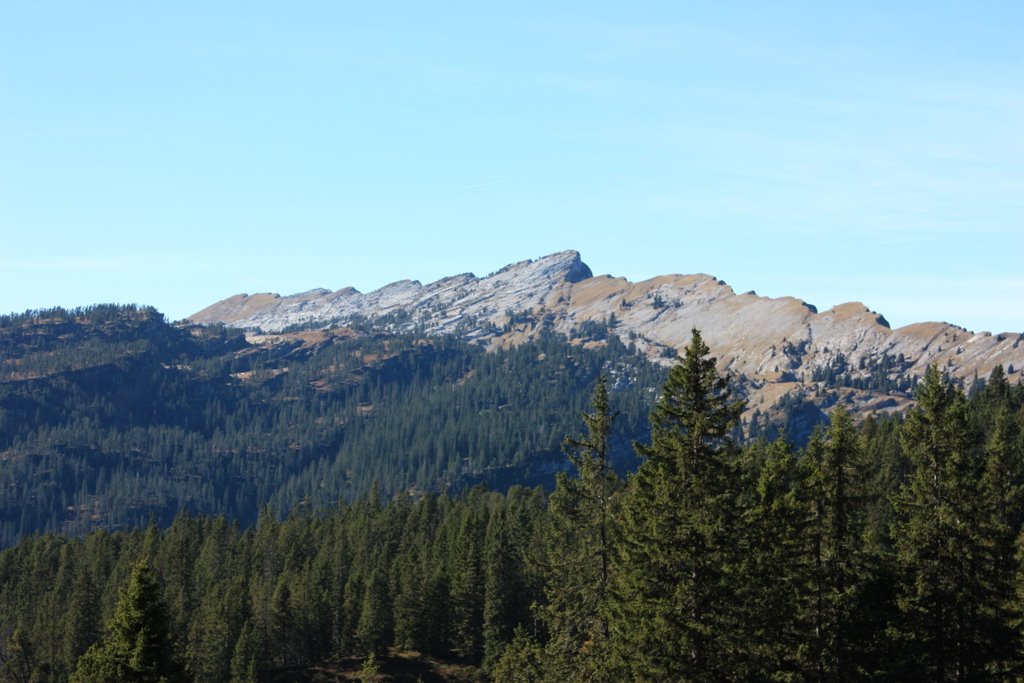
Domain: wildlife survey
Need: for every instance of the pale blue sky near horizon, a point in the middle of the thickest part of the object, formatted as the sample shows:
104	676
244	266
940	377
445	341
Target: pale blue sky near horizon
174	154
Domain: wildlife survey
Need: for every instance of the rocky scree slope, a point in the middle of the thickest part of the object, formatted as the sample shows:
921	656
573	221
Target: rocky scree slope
775	347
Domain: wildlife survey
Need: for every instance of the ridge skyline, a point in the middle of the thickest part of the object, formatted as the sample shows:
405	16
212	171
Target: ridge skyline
779	345
822	153
815	306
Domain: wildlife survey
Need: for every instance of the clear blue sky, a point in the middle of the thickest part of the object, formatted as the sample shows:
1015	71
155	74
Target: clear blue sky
176	153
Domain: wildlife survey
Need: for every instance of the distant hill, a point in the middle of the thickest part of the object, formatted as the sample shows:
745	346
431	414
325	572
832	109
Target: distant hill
783	350
110	416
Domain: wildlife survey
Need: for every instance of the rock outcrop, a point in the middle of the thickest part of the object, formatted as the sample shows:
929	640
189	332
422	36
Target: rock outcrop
778	345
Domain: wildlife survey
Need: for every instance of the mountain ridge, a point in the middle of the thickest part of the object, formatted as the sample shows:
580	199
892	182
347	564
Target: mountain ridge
780	345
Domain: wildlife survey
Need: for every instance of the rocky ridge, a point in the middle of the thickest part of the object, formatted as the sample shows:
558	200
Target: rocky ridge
779	346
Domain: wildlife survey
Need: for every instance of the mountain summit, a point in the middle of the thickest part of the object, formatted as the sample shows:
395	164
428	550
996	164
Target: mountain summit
442	306
778	346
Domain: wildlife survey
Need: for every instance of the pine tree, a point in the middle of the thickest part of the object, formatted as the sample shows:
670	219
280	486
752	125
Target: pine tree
81	618
467	588
674	615
370	669
17	659
215	631
503	591
245	658
409	600
841	566
770	575
1003	497
375	629
283	621
950	594
522	661
579	548
436	614
138	647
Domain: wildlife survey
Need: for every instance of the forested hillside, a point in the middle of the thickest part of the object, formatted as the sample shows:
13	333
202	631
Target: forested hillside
884	552
111	417
785	348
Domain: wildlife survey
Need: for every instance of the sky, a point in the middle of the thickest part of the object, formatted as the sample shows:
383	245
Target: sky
176	153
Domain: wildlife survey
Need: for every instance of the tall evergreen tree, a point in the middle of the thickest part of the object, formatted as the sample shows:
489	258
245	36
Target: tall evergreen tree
215	631
375	629
138	647
467	587
673	615
81	618
841	567
950	593
579	551
770	574
17	659
503	590
245	658
1003	498
283	621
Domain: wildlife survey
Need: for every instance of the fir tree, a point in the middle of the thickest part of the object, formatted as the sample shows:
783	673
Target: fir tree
673	614
503	590
841	566
951	595
467	589
579	551
1003	498
17	659
770	574
375	629
81	619
245	658
138	647
521	662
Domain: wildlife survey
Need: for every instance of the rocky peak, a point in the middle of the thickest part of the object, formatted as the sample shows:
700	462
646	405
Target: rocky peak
563	266
439	306
779	345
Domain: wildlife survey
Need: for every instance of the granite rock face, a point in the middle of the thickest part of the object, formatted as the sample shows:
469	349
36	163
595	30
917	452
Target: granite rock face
778	345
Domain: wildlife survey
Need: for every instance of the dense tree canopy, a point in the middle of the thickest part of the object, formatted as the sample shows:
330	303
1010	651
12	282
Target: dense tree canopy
885	551
110	417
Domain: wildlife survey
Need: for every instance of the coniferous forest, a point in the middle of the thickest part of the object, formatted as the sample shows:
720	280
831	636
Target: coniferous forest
110	417
886	550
